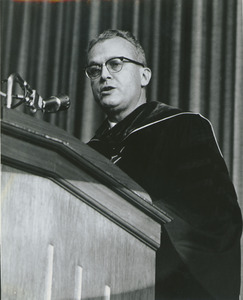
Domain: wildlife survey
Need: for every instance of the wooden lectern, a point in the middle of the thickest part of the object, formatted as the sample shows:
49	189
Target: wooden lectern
73	225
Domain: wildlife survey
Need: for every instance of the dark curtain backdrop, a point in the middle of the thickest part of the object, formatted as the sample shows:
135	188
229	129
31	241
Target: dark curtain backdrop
194	48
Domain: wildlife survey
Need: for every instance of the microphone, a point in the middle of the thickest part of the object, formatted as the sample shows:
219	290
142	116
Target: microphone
54	103
32	99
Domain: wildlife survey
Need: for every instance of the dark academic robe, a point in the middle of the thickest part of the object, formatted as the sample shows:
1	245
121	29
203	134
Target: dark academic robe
174	156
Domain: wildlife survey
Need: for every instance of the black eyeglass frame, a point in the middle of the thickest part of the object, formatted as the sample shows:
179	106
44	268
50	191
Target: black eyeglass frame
122	58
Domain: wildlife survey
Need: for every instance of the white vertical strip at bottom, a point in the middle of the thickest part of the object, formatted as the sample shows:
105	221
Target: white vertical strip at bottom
49	272
107	293
78	283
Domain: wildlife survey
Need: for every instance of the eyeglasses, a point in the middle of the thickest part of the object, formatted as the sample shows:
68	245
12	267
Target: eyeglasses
113	65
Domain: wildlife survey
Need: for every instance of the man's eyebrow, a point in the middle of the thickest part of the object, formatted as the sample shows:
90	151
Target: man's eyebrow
92	62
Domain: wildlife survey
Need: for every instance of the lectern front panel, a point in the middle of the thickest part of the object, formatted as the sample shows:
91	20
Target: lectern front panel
55	246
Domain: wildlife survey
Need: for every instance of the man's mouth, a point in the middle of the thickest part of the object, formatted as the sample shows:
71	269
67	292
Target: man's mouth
106	89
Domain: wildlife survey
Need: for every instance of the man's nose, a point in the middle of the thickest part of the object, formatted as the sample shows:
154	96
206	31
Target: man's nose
105	72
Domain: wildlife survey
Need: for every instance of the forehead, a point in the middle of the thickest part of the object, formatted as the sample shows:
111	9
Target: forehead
113	47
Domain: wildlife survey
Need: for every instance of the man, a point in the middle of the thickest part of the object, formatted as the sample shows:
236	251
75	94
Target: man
173	155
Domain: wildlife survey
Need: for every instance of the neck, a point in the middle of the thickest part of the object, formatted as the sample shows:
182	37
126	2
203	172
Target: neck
118	115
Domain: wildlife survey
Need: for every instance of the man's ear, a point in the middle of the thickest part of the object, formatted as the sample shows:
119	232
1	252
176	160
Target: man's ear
146	74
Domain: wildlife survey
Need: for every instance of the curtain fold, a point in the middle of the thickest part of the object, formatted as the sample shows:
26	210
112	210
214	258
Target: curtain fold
73	71
197	69
228	85
155	32
88	123
216	74
194	48
237	144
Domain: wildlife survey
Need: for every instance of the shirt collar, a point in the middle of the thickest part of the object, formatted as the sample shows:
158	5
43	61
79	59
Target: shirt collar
112	124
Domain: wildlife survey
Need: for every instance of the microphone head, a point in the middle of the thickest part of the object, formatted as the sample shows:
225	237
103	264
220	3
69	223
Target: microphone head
56	103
